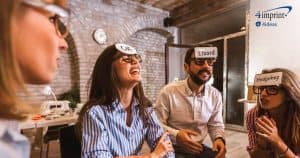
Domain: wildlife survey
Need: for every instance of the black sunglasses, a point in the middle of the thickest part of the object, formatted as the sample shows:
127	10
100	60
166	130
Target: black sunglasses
271	90
201	61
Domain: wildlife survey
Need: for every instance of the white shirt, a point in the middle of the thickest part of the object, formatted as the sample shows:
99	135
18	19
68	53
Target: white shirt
178	107
12	143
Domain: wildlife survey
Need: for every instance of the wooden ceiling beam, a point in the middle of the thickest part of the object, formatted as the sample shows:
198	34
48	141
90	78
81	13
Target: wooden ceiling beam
168	5
200	9
153	2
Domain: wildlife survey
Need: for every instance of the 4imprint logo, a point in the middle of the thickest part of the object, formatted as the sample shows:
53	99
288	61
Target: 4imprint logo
275	13
271	16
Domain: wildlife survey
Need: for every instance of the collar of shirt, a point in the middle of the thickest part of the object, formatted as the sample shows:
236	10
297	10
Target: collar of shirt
6	132
118	107
189	92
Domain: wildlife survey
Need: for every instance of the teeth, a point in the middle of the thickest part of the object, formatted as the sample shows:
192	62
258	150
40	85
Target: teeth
133	71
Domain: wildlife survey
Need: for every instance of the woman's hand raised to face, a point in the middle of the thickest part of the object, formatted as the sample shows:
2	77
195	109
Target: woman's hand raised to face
163	146
266	128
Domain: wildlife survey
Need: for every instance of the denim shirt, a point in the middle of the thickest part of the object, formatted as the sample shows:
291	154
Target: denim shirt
12	143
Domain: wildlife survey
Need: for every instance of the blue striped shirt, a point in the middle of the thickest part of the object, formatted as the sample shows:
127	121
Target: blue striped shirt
105	133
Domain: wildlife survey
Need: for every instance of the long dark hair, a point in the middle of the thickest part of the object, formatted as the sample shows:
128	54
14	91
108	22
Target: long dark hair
291	85
103	90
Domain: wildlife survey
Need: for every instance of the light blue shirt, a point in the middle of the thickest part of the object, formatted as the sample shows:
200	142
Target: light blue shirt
106	135
12	143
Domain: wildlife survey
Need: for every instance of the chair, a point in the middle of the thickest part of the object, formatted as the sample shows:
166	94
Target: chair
51	134
55	107
70	146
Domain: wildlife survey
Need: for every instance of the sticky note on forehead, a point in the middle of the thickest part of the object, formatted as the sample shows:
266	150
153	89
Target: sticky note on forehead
125	48
206	52
268	79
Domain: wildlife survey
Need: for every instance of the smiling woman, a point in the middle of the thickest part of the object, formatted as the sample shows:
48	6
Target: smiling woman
118	117
28	54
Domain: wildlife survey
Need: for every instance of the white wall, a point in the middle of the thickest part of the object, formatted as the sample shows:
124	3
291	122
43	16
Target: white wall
274	46
176	61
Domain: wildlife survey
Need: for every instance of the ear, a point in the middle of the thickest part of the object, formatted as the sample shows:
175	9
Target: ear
186	67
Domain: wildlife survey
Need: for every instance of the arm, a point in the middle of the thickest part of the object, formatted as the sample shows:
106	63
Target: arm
216	127
159	142
181	137
251	115
162	109
254	149
94	137
215	123
160	150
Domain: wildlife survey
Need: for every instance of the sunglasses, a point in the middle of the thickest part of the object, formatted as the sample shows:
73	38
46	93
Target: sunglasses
201	61
270	90
61	18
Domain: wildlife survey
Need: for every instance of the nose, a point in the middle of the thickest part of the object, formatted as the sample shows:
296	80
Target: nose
63	45
264	92
134	60
205	64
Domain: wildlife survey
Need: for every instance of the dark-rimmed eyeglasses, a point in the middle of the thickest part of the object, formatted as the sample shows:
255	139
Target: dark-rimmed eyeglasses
270	90
201	61
61	15
131	59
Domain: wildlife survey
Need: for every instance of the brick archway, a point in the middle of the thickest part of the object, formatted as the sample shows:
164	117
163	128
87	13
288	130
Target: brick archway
82	60
145	23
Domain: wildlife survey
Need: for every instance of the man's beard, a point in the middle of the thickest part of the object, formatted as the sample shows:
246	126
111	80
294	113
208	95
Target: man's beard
198	80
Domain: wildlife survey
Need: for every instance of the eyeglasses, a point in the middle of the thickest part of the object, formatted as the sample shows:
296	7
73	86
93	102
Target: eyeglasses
201	61
271	90
61	18
132	58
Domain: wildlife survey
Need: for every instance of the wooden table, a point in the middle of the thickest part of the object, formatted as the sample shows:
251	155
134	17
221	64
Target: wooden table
29	123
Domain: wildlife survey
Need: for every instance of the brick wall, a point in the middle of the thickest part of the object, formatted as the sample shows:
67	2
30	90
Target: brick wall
152	46
122	20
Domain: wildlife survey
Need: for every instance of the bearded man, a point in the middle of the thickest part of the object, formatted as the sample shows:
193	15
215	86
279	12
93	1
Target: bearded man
190	109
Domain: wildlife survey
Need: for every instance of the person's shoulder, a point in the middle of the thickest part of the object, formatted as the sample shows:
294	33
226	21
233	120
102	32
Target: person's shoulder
252	111
213	90
96	110
173	85
250	118
13	141
14	149
251	115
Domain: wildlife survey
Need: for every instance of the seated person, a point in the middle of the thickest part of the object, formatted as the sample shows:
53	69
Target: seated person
30	45
190	109
118	117
274	124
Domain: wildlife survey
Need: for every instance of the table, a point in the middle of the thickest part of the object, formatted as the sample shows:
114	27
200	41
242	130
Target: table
29	123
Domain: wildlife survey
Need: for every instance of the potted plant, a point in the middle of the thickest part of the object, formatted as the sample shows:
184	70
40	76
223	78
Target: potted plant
73	96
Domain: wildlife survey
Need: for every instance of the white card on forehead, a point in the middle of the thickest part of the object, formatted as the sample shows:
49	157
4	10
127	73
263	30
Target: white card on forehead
206	52
124	48
268	79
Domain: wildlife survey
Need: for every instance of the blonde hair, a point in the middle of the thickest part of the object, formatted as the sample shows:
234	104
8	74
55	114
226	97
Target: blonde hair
11	106
10	76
